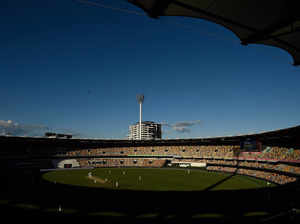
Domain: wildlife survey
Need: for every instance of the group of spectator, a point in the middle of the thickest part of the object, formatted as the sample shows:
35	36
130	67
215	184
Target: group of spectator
185	151
280	153
293	169
270	176
122	162
214	152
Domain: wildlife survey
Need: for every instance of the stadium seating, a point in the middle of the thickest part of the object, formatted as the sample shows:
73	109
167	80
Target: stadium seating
274	163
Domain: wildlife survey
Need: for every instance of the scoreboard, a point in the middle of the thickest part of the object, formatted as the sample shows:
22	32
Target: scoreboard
251	145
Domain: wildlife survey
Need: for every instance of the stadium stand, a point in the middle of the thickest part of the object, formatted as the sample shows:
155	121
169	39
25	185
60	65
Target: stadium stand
277	160
283	162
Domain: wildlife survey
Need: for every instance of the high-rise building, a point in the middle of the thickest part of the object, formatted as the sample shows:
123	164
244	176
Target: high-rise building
149	131
144	130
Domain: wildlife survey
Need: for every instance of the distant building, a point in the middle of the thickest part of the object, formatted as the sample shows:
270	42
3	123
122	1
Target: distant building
56	135
150	131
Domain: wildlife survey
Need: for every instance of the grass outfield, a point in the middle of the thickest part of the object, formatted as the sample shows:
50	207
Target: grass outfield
154	179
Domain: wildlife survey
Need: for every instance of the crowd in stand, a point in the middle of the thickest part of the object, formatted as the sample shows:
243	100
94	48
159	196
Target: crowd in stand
251	164
281	153
122	162
185	151
223	152
270	176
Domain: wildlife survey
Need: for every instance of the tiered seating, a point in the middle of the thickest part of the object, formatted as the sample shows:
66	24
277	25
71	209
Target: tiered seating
122	162
280	153
270	176
276	160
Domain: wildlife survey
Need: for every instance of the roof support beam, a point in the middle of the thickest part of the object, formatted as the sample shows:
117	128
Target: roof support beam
266	33
297	29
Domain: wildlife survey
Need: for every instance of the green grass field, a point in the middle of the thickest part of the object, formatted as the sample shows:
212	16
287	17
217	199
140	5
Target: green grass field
154	179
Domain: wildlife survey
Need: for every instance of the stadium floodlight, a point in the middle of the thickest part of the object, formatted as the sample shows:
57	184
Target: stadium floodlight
140	99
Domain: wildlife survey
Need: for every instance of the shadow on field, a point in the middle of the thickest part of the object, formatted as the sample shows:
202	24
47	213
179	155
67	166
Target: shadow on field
219	183
236	154
29	195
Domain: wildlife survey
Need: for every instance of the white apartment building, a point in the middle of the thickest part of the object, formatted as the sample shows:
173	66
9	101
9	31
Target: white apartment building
150	131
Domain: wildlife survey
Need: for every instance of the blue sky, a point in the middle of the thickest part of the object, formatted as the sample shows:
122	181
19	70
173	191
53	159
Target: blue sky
72	67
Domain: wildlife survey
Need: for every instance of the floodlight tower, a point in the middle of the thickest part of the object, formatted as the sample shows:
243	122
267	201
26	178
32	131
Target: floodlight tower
140	99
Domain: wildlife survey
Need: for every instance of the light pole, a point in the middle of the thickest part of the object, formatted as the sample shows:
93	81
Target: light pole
140	99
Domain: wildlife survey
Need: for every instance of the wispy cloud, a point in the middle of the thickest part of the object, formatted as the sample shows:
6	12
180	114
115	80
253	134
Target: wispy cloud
12	128
182	126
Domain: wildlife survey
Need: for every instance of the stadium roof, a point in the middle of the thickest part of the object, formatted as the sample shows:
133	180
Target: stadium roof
275	23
